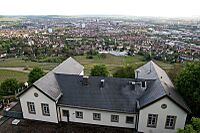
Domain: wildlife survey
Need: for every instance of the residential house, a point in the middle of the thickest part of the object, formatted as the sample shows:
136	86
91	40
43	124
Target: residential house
149	103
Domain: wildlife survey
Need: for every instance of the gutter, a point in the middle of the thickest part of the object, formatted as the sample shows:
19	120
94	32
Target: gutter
89	108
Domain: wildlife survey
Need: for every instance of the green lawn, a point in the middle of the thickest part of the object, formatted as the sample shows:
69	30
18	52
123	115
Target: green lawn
9	19
18	62
112	62
6	74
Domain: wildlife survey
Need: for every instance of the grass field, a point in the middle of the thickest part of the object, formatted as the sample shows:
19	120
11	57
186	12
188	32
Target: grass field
13	19
6	74
17	62
112	63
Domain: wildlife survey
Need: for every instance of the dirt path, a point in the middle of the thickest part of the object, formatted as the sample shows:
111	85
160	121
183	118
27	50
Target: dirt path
20	69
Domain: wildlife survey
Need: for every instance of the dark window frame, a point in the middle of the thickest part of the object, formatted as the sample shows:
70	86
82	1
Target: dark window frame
76	113
43	106
174	122
29	108
65	113
114	120
130	122
143	84
152	118
97	118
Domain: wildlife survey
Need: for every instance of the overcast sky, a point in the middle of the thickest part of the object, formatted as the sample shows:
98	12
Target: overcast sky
157	8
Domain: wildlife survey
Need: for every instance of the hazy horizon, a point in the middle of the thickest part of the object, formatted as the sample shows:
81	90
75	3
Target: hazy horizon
150	8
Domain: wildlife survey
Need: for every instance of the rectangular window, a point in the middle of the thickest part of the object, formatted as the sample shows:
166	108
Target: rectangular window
96	116
45	109
114	118
65	113
152	120
79	114
130	119
31	107
170	122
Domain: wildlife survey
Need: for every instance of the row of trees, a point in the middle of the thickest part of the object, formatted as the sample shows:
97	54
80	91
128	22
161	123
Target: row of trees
122	72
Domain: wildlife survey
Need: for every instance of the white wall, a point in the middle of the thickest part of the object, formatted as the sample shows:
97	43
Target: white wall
155	108
29	97
105	117
82	73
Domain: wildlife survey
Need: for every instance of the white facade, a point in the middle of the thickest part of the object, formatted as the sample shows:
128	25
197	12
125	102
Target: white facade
105	117
155	108
29	97
56	114
139	123
82	73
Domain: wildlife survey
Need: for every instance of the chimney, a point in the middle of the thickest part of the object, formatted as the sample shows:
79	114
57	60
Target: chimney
85	80
132	83
26	84
102	83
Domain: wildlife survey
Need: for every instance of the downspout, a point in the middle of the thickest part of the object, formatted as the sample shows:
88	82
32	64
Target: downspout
137	117
57	113
137	120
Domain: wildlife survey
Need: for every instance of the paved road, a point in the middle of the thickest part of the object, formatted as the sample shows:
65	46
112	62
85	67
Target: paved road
20	69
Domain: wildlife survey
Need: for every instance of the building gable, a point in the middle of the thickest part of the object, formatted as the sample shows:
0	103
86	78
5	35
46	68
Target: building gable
38	98
162	108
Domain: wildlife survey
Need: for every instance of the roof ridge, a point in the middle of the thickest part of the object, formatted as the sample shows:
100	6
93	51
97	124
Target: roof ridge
69	58
156	67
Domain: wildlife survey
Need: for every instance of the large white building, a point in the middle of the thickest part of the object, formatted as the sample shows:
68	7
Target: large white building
148	103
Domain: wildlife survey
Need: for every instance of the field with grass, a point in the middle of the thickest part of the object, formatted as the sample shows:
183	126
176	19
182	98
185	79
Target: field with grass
112	63
6	74
13	19
18	62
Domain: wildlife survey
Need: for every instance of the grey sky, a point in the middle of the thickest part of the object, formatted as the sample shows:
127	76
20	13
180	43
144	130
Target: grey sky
163	8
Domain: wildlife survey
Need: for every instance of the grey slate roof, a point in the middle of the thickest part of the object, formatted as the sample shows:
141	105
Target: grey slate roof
64	84
48	84
116	95
162	86
69	66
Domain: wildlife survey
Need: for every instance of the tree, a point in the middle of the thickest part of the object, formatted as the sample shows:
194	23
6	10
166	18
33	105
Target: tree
147	57
188	129
194	127
35	74
125	72
99	70
188	84
9	86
